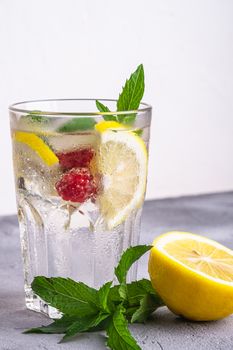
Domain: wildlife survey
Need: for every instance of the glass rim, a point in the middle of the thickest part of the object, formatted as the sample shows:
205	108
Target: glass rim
15	107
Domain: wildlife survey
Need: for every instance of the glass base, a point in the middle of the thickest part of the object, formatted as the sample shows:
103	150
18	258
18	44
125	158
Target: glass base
78	253
34	303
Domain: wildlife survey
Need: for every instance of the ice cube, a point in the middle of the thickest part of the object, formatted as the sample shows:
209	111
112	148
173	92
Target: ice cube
68	142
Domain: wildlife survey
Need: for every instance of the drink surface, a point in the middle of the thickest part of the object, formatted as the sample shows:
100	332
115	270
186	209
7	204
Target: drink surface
79	196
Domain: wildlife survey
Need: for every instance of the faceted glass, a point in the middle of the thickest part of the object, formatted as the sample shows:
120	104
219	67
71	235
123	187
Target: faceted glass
80	184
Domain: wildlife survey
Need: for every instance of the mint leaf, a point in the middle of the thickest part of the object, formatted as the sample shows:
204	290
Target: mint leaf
68	296
83	324
78	124
57	327
127	118
119	337
145	284
131	94
138	289
102	326
133	91
103	294
36	117
135	293
138	132
127	259
131	255
102	108
123	291
71	325
148	305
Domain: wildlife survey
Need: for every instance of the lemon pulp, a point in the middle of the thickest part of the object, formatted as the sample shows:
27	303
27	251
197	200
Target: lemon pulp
122	165
203	257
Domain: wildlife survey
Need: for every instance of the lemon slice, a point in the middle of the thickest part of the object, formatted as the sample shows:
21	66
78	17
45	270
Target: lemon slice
193	275
108	124
122	165
37	145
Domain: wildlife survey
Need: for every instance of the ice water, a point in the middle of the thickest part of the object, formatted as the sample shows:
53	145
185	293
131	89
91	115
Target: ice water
62	237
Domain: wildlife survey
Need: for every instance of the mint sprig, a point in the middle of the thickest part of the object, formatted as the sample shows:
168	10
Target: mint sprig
110	308
129	99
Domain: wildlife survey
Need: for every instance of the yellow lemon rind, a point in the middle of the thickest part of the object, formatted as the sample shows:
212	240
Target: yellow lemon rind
37	145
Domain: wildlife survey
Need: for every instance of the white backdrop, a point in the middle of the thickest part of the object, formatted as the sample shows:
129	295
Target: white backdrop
84	48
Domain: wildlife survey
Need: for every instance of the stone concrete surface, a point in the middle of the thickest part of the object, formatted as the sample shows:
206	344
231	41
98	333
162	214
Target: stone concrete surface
210	215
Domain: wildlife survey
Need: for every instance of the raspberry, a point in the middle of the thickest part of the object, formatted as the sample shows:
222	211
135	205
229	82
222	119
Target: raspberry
76	159
77	185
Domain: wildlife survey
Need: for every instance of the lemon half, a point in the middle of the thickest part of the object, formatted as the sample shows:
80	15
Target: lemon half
193	275
122	165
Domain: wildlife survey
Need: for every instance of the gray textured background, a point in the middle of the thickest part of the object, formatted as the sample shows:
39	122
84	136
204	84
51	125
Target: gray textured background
210	215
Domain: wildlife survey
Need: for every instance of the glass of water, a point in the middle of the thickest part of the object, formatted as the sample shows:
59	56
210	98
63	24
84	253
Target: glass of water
80	180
